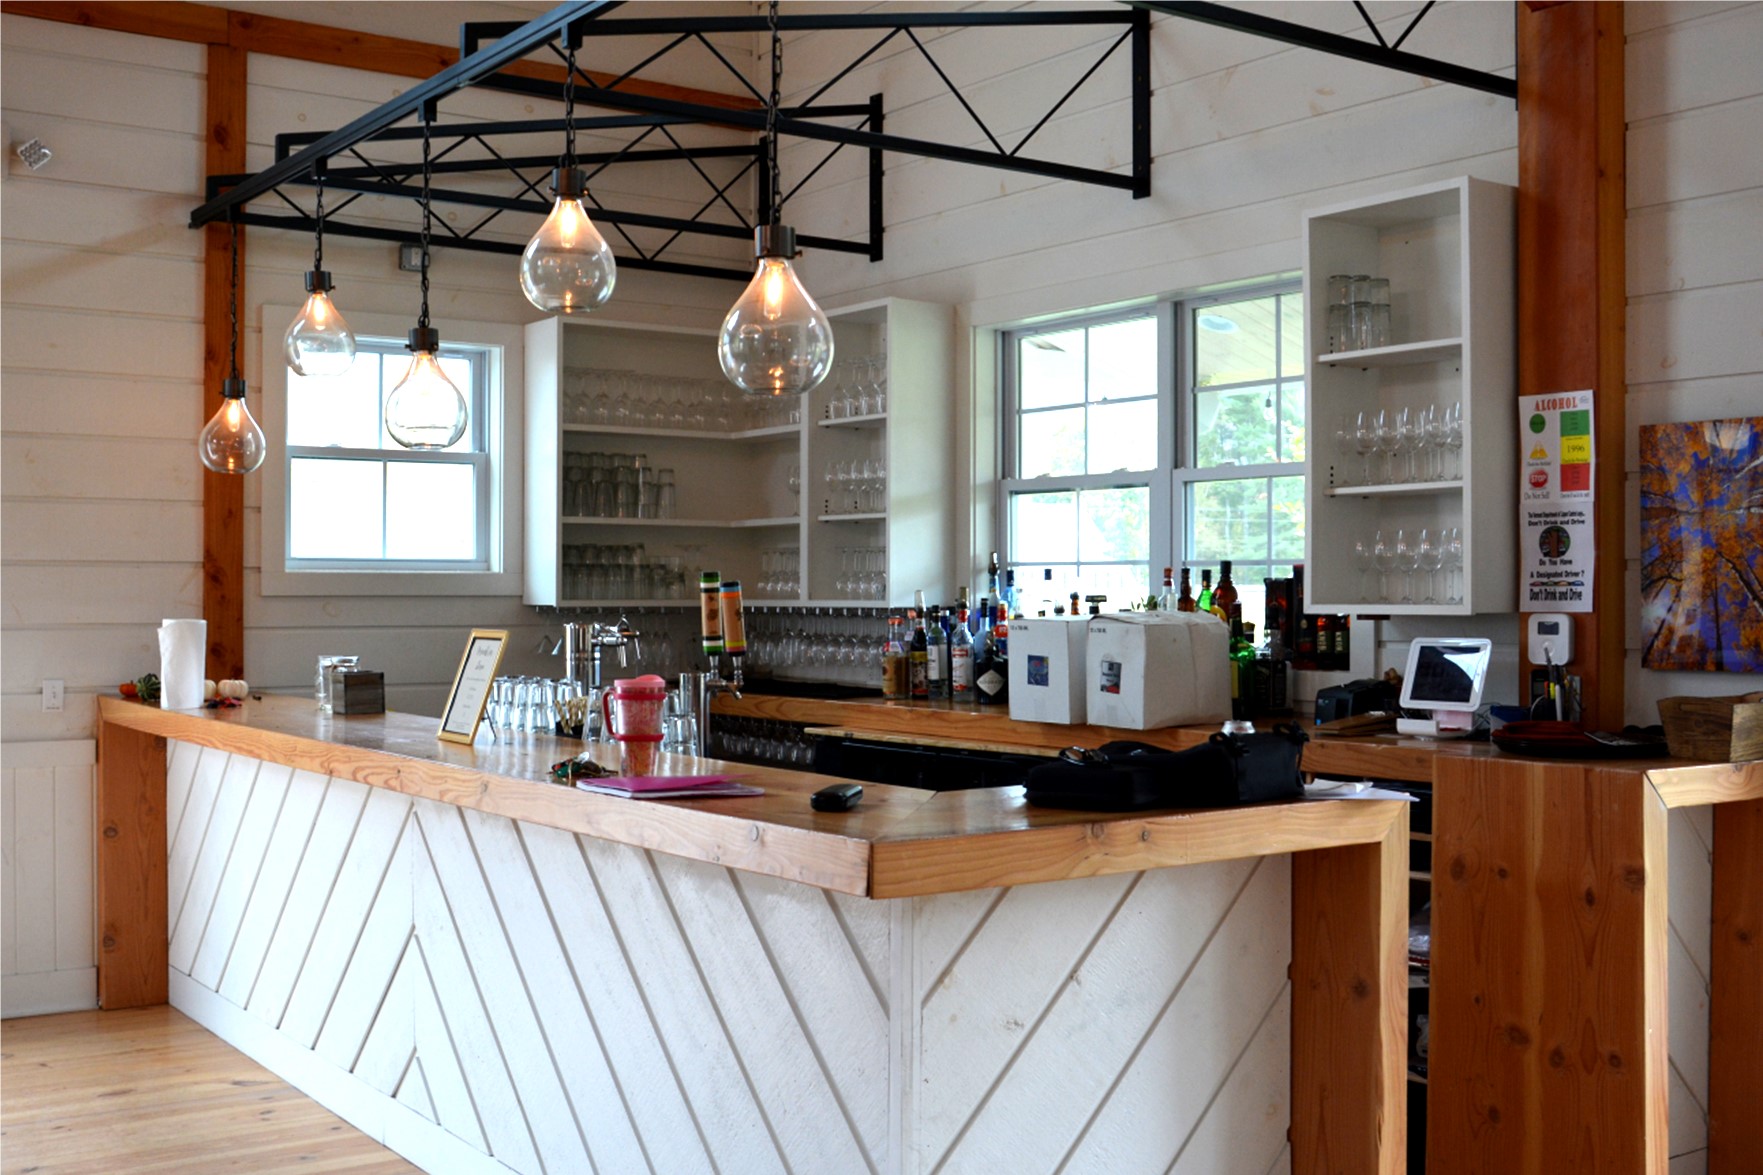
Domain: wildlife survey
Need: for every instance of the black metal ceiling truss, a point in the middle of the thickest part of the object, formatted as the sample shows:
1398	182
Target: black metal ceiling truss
487	48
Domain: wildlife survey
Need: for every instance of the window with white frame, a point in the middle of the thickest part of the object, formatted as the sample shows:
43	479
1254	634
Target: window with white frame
1170	435
349	509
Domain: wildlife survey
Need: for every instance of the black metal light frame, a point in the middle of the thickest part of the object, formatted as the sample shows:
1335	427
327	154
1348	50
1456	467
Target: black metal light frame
486	48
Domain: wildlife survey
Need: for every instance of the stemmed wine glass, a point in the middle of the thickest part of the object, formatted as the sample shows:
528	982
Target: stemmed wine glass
1362	557
1405	563
1365	442
1383	554
1430	558
1345	439
1453	562
1453	436
1389	440
1412	437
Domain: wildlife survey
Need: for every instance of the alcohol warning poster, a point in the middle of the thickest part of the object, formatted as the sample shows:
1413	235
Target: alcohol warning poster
1556	548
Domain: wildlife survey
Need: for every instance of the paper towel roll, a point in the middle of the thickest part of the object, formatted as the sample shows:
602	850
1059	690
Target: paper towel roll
183	655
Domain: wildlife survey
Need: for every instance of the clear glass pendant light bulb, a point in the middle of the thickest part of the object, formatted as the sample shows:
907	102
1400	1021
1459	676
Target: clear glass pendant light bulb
318	342
231	442
776	340
425	410
568	267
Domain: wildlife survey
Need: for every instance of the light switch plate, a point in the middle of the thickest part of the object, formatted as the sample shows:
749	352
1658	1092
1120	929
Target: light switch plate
54	694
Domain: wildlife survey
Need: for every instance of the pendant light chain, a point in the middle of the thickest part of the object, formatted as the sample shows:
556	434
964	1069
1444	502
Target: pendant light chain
318	236
233	303
422	320
777	73
569	110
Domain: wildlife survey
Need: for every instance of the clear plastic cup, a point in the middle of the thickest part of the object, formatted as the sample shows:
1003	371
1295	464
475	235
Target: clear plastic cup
633	709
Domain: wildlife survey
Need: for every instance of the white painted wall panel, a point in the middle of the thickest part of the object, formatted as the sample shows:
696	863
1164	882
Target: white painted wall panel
1695	258
46	877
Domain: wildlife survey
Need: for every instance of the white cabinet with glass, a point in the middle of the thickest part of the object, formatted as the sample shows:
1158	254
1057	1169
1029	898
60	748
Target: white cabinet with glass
645	466
1411	493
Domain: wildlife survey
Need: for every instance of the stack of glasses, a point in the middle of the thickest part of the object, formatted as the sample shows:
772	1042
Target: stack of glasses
1358	312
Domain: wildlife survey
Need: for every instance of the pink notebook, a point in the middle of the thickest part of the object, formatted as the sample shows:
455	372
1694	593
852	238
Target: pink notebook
667	787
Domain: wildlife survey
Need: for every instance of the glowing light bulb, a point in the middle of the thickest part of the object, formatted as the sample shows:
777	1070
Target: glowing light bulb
568	267
318	342
231	442
776	340
425	410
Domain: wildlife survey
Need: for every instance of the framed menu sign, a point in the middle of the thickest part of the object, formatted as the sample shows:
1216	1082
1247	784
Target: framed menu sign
471	685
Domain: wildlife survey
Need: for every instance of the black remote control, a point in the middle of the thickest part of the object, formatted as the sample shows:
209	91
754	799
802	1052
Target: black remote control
839	797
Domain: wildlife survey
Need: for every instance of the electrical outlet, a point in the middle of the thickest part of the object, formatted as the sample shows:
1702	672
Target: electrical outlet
54	692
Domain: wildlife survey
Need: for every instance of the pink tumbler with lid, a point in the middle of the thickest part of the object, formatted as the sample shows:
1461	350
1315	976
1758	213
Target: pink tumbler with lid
633	714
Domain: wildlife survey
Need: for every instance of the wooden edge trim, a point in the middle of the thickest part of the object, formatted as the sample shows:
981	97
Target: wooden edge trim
1692	785
300	40
129	900
909	867
1735	1004
1350	1005
819	859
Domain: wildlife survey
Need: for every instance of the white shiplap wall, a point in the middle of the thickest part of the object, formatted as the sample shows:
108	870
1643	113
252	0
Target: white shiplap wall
1695	256
102	371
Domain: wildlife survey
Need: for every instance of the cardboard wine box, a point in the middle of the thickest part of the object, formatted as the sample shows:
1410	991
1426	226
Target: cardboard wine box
1151	669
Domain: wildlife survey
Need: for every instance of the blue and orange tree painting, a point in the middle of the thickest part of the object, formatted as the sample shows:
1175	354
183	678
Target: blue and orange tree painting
1702	545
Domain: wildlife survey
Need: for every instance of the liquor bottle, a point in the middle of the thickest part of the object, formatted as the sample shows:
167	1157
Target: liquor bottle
896	674
1074	611
1303	640
993	587
1204	603
991	668
1185	602
1324	634
961	660
1276	614
1224	597
1242	661
1011	609
917	653
936	663
1047	592
1166	598
1343	642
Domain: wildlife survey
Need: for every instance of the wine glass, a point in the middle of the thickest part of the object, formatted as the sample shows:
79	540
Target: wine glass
1362	558
1383	555
1431	440
1365	443
1405	563
1454	436
1430	558
1388	441
1345	439
1413	436
1453	562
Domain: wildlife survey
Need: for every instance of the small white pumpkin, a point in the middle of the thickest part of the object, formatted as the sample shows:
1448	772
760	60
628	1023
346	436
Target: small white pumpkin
210	691
235	688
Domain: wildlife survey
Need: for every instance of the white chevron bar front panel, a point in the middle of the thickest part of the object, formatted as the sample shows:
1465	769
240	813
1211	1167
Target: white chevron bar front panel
489	995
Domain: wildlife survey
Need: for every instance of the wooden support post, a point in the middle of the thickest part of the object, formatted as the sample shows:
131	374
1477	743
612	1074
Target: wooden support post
223	495
1572	284
1350	1006
1548	1013
132	960
1735	1012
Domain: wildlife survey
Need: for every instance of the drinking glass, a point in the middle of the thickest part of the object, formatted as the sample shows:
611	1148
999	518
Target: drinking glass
1405	563
1388	441
1383	554
1365	442
1362	557
1409	436
1431	558
1453	563
1454	436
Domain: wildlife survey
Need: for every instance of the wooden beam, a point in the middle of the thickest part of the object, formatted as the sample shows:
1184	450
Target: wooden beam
1572	284
300	40
223	495
132	938
1350	1006
201	23
1735	1005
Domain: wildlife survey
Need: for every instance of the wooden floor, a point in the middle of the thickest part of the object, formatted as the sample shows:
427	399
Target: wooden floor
150	1090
